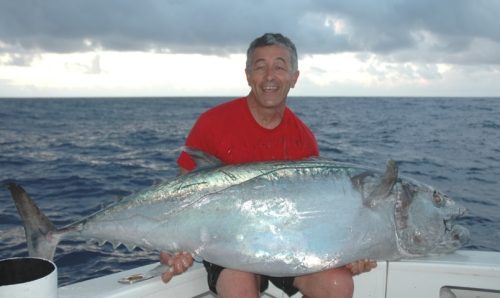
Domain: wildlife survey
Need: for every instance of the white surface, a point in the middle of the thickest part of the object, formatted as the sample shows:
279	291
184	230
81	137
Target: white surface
45	286
467	274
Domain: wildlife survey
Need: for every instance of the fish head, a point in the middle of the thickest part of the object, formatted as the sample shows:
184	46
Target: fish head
425	221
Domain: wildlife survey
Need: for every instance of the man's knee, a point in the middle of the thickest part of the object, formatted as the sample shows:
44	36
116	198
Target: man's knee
336	282
233	283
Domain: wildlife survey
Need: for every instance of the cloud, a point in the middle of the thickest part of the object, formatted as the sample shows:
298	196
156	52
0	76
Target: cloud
447	28
17	59
346	47
92	67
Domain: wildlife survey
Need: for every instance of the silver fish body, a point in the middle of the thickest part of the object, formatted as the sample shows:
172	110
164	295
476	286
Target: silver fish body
278	218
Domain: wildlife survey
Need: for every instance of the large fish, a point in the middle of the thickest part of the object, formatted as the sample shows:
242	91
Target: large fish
275	218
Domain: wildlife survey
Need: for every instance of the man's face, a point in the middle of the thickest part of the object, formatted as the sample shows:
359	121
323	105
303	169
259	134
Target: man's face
271	75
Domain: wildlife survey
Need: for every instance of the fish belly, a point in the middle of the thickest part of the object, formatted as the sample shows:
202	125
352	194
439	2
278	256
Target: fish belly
289	226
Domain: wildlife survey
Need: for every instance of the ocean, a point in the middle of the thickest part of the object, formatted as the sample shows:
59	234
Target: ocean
76	155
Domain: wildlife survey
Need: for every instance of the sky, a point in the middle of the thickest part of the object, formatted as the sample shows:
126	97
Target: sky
82	48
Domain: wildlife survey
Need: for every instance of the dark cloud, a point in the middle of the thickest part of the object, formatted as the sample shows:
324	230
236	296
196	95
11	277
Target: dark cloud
429	30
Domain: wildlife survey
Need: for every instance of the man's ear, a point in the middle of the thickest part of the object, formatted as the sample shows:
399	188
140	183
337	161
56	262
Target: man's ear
247	74
295	77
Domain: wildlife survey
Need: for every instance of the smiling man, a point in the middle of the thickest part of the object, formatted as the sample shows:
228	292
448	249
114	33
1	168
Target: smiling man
260	127
270	75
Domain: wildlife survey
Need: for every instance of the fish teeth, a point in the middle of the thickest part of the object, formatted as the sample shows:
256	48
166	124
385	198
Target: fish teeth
130	247
97	242
115	244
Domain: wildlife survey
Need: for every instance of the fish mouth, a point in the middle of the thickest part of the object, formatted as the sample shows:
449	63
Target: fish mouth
449	222
460	234
456	232
455	237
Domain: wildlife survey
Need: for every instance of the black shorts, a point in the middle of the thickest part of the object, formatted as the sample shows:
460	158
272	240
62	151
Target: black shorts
283	283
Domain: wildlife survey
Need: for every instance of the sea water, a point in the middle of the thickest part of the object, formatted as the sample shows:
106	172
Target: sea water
76	155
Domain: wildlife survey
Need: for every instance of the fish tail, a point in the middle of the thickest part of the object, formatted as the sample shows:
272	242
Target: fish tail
41	234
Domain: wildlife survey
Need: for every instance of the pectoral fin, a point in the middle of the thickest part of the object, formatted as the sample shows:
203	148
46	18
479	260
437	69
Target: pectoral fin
382	189
202	159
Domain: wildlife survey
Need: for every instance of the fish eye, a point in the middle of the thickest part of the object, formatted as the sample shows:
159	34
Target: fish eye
437	198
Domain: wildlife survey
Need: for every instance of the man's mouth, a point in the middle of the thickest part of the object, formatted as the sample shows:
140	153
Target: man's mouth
270	88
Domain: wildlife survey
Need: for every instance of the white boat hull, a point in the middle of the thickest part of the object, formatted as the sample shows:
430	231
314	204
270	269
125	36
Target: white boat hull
464	274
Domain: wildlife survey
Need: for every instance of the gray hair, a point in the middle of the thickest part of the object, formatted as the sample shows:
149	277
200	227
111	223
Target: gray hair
270	39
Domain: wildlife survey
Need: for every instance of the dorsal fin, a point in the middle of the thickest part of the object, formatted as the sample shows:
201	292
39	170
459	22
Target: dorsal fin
202	159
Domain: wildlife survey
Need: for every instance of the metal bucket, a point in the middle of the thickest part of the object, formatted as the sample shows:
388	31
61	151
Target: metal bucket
28	277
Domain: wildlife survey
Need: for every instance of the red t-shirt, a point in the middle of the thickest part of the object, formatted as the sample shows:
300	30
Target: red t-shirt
230	133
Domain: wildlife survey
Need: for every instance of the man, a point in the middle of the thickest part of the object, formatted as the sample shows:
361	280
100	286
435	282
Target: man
261	127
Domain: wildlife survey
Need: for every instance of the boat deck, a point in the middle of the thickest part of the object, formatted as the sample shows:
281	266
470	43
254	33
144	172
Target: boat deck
464	274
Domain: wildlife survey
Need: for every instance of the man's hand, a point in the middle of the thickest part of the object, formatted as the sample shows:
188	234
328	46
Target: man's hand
361	266
178	263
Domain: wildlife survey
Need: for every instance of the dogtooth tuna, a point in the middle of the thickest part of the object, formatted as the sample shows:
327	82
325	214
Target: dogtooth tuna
278	218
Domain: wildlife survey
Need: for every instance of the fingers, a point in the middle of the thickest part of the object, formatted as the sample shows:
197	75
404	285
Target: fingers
178	263
361	266
181	262
164	257
167	276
